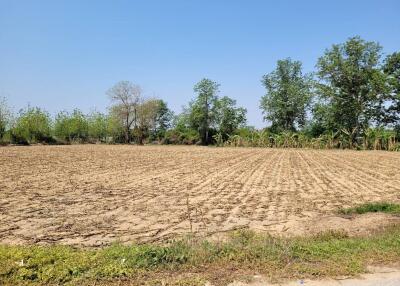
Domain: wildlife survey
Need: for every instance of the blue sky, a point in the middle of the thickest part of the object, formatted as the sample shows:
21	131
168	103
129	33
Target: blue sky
61	55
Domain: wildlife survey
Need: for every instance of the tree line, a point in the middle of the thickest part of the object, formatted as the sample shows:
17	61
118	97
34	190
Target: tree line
352	100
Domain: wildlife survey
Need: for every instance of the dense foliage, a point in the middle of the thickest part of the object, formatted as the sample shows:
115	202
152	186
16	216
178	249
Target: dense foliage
351	101
71	127
353	86
288	96
33	125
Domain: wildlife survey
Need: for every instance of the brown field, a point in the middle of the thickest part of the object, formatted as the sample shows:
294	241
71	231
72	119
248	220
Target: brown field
97	194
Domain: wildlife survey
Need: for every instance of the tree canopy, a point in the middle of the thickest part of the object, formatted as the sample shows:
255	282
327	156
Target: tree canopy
392	69
352	84
203	113
288	96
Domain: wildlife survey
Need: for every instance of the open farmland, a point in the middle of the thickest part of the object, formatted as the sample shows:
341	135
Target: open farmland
96	194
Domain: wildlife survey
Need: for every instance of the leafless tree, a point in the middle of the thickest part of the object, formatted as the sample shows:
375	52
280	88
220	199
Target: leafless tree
127	98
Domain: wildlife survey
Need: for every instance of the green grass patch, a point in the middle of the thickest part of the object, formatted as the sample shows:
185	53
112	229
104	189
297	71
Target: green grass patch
373	208
327	254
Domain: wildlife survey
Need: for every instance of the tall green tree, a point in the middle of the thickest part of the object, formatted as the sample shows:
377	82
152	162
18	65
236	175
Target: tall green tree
391	68
229	117
162	119
289	93
352	84
202	109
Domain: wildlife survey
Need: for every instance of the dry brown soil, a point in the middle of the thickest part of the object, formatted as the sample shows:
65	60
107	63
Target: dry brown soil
96	194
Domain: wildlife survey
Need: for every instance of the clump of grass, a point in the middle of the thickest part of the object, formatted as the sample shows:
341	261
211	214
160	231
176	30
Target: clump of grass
373	208
326	254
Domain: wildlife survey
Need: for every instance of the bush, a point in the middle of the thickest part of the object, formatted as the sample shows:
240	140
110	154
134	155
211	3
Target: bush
32	126
71	127
187	137
373	208
97	127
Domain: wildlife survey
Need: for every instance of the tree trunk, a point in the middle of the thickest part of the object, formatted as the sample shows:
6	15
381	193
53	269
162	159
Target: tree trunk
205	128
127	135
127	129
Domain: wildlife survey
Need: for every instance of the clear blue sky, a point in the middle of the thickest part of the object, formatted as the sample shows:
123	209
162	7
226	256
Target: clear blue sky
66	54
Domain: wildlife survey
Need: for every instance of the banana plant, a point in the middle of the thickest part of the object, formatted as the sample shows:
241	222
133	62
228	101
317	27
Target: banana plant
219	140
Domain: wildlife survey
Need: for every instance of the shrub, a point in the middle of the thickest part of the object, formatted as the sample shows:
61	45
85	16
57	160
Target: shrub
97	126
32	126
71	127
373	208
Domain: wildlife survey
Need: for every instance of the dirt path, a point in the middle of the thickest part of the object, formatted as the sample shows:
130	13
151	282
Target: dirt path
380	277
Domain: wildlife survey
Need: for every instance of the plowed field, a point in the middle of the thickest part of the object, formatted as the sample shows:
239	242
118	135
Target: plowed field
97	194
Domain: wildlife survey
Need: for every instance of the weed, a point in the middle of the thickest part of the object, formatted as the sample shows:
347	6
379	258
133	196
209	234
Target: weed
373	208
325	254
